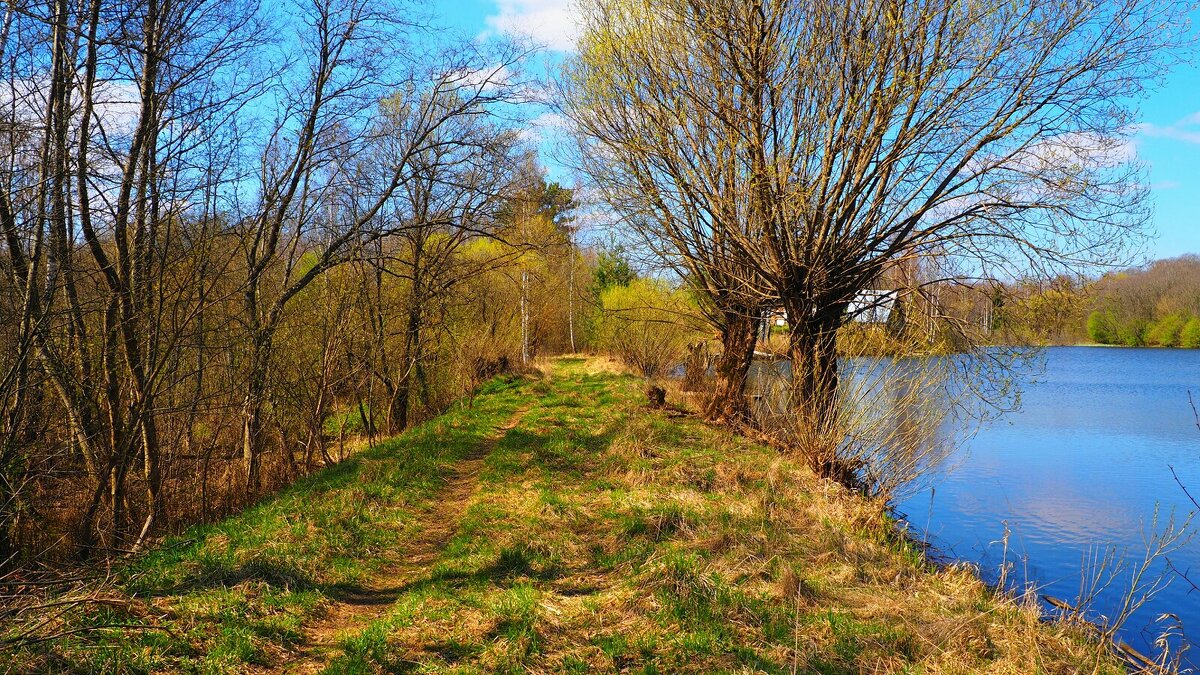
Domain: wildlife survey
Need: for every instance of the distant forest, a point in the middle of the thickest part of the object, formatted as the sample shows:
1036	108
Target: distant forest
1157	305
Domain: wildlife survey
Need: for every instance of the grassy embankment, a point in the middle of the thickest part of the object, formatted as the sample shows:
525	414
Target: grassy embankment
557	525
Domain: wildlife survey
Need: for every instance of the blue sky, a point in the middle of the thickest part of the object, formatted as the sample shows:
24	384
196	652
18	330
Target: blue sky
1168	140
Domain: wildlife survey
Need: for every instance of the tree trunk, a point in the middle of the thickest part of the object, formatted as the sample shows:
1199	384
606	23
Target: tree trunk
571	295
8	510
410	366
695	369
813	353
812	348
728	403
252	423
524	317
152	472
117	499
252	440
398	415
87	531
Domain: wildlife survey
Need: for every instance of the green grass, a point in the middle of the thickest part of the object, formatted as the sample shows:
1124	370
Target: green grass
601	537
240	591
348	421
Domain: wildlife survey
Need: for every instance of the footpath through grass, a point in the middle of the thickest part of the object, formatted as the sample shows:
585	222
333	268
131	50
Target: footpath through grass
597	536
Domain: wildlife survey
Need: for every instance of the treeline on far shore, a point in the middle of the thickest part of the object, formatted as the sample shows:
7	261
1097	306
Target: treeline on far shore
1156	305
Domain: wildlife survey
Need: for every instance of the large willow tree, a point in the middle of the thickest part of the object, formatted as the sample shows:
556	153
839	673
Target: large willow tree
800	150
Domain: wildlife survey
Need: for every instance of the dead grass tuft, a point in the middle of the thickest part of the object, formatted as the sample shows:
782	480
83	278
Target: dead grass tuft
597	364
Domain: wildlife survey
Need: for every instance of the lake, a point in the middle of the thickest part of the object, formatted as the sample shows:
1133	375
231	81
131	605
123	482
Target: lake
1077	471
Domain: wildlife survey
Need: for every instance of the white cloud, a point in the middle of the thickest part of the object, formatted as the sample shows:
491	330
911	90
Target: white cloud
545	126
552	23
116	103
1190	120
484	79
1185	131
1068	152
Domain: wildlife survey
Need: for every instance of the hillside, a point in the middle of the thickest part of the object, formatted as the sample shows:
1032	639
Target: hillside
555	524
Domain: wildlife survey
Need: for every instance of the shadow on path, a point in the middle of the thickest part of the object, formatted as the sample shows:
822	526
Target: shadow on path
354	607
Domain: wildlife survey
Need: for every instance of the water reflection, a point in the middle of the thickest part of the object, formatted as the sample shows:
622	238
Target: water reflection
901	419
1079	469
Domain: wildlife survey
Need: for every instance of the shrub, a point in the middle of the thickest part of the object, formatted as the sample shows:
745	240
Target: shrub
1189	336
348	421
1165	332
1101	327
646	324
1132	333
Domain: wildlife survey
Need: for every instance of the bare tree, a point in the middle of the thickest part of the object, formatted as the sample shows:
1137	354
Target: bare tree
315	199
103	103
648	101
856	136
459	179
174	176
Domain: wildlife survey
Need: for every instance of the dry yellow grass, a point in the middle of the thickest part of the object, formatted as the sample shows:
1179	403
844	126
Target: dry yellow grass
612	537
596	534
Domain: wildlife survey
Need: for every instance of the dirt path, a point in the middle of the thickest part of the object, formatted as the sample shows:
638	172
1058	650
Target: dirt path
354	609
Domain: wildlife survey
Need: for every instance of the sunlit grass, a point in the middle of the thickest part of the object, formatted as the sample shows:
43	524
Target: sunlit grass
599	536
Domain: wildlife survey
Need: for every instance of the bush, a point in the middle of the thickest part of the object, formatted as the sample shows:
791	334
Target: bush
1189	336
1132	333
1101	328
646	324
1165	332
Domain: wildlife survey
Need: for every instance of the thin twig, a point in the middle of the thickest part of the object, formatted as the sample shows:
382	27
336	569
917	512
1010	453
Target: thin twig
1183	487
1183	574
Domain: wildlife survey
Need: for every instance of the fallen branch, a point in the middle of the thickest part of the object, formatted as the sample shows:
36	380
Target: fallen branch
1133	657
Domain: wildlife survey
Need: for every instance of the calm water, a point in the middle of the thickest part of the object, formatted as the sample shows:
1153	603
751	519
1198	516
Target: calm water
1079	468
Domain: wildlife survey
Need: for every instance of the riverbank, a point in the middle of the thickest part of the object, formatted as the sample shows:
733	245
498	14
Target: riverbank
555	524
